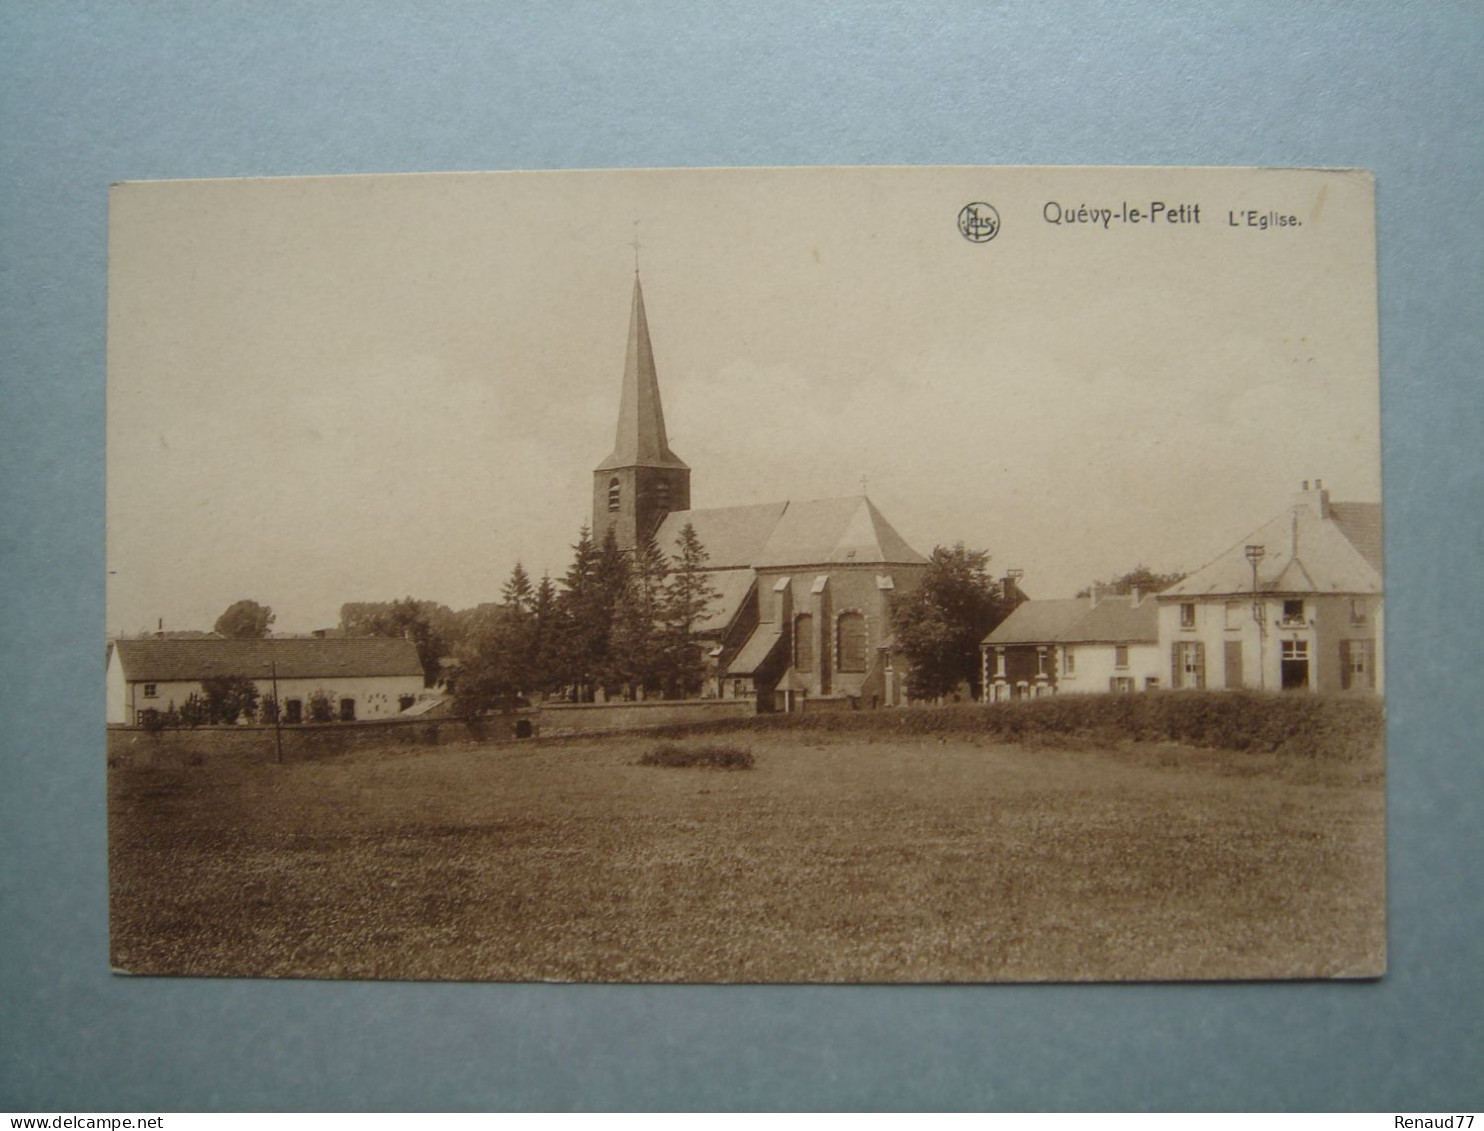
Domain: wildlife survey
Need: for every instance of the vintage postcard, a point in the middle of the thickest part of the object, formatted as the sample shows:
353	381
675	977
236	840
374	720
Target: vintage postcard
747	575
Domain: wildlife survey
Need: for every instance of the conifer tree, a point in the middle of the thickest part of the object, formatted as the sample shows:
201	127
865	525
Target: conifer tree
687	597
636	655
517	592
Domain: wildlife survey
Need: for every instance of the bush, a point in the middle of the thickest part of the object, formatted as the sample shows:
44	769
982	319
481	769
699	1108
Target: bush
710	755
1332	727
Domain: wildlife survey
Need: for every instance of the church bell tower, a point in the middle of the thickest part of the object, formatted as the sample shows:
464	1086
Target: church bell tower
642	480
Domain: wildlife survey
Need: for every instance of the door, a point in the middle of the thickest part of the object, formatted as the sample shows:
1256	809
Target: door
1233	663
1295	665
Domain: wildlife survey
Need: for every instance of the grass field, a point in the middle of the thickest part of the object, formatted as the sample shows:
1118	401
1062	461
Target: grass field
837	858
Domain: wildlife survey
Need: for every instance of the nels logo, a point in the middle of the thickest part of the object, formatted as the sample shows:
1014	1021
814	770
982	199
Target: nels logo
978	222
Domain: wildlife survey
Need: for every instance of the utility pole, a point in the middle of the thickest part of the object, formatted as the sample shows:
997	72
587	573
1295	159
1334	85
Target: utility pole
277	711
1255	554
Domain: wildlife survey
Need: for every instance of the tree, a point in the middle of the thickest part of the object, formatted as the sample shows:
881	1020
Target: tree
688	596
228	697
1141	577
517	592
245	620
939	625
582	621
544	675
636	645
494	659
426	623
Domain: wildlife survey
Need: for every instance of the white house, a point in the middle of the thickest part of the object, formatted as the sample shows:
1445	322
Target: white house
1079	644
363	677
1296	605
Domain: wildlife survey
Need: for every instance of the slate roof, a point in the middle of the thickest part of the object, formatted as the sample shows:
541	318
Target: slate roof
835	532
1361	524
1076	620
810	532
641	439
1038	622
733	585
1304	554
732	536
296	658
756	651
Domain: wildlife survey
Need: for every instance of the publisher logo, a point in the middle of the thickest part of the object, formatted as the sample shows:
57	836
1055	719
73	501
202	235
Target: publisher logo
978	222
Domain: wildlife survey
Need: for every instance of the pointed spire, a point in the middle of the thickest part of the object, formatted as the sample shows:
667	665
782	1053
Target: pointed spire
641	439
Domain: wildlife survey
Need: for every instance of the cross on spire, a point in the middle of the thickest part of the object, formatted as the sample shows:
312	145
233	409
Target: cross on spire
636	245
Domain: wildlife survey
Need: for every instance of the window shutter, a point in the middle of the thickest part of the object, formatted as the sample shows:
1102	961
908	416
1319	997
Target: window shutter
1345	679
1175	666
1200	663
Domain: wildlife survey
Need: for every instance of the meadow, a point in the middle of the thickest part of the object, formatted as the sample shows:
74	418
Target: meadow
854	855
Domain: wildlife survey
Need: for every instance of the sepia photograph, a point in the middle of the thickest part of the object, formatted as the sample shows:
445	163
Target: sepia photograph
809	575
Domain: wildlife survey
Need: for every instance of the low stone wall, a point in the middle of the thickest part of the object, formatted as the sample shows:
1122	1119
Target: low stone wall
814	704
567	719
135	746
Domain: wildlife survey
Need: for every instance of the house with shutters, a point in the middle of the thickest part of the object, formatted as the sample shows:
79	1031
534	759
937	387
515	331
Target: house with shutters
1296	605
806	587
362	677
1098	643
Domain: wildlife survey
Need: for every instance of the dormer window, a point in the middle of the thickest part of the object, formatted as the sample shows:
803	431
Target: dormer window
1187	614
1357	610
615	492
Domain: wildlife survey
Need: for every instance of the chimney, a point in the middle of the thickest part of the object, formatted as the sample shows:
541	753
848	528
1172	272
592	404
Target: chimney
1136	597
1093	593
1316	498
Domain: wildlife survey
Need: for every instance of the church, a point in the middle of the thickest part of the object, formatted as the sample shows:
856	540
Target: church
806	587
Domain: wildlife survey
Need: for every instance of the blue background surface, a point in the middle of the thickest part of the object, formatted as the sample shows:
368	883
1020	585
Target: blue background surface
92	93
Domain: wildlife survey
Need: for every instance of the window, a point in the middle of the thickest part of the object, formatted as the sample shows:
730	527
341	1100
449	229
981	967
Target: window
1151	683
151	691
804	643
1041	661
1069	661
1121	685
1294	668
293	711
1188	664
1120	655
1358	610
1293	614
347	710
615	492
1356	666
851	641
1187	614
1233	615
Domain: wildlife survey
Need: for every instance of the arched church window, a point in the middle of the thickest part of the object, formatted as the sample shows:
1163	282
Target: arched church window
804	643
615	491
850	632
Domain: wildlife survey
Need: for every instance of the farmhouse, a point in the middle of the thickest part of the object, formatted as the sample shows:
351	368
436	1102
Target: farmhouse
1297	604
1077	644
807	587
362	677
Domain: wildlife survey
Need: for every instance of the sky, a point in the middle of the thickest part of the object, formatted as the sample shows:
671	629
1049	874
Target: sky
324	390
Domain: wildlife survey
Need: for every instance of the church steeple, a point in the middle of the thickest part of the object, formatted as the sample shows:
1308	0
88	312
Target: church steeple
641	439
642	480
